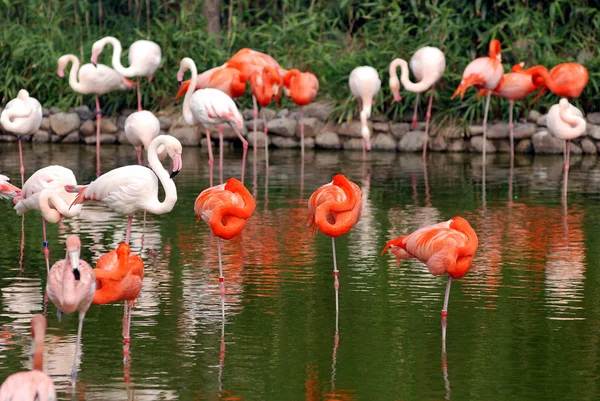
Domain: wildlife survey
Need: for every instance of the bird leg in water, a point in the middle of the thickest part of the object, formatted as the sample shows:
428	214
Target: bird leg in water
77	347
511	104
221	277
427	118
413	126
566	157
46	250
139	95
336	272
245	149
98	119
266	131
21	166
446	297
127	321
299	117
485	116
255	116
128	234
211	160
220	153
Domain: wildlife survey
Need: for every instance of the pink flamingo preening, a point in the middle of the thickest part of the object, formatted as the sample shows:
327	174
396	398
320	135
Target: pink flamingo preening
365	84
71	285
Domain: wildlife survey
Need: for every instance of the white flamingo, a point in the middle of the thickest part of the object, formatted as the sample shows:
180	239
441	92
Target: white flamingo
129	189
44	192
210	107
141	128
22	116
144	59
428	65
365	84
97	79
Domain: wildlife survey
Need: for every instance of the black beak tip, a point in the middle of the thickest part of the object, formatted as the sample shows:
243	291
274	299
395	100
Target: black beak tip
174	173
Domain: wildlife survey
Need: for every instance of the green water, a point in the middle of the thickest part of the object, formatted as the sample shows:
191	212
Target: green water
522	325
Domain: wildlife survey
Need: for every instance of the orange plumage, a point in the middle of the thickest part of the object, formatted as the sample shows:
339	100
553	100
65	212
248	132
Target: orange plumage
303	86
119	276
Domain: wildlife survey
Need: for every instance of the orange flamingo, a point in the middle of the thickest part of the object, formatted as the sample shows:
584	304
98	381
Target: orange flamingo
515	86
70	286
33	385
483	73
334	209
564	80
225	208
446	247
303	88
119	277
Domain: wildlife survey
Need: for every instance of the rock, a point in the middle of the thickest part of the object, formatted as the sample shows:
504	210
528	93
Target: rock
353	144
248	114
260	139
8	138
448	131
309	143
501	145
283	113
54	110
228	132
399	129
284	142
104	139
352	129
593	131
383	142
524	146
328	140
188	136
73	137
88	128
317	110
381	127
120	122
524	130
476	130
458	145
533	116
249	124
594	118
42	136
56	138
542	122
270	114
179	122
282	126
545	143
122	138
45	124
588	147
63	123
476	145
84	112
412	141
108	125
437	143
312	127
45	112
575	149
498	131
165	122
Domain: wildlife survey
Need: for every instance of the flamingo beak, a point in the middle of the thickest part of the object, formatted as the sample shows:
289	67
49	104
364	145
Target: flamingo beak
177	165
74	260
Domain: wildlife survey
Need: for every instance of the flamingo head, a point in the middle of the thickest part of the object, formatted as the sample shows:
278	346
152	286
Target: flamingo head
62	63
174	151
395	88
73	251
564	103
96	50
126	83
495	50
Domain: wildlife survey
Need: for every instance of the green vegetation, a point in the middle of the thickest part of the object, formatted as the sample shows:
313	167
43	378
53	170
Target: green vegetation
327	38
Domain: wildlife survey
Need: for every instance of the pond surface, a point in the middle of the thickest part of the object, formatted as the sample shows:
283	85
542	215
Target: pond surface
523	324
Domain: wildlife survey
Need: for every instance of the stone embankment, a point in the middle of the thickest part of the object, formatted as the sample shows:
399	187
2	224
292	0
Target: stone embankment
531	135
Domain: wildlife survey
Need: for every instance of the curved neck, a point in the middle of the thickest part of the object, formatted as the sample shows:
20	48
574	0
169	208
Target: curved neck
73	74
188	64
116	56
289	77
48	212
570	118
155	206
418	87
38	351
472	241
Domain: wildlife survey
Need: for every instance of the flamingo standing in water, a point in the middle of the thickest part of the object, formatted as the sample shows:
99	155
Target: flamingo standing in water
265	85
303	88
428	65
334	209
22	116
119	277
70	286
365	84
128	189
35	384
483	73
141	128
210	107
225	208
93	78
446	247
566	122
44	192
7	190
144	59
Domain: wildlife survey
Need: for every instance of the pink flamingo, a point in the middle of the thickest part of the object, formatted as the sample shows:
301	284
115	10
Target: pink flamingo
93	78
22	116
70	286
141	128
428	65
365	84
144	59
44	192
7	190
129	189
210	107
483	73
35	384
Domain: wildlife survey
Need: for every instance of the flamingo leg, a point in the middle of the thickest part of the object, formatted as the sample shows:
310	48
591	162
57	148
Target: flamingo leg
21	166
255	116
485	116
245	149
511	128
127	321
221	153
128	234
98	119
138	152
301	135
427	118
221	277
336	272
413	125
46	250
77	346
567	165
211	160
139	94
143	228
446	297
266	131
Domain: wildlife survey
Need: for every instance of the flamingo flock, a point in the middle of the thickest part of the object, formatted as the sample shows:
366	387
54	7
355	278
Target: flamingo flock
334	208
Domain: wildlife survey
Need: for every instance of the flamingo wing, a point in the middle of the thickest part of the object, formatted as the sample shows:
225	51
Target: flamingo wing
7	190
34	385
